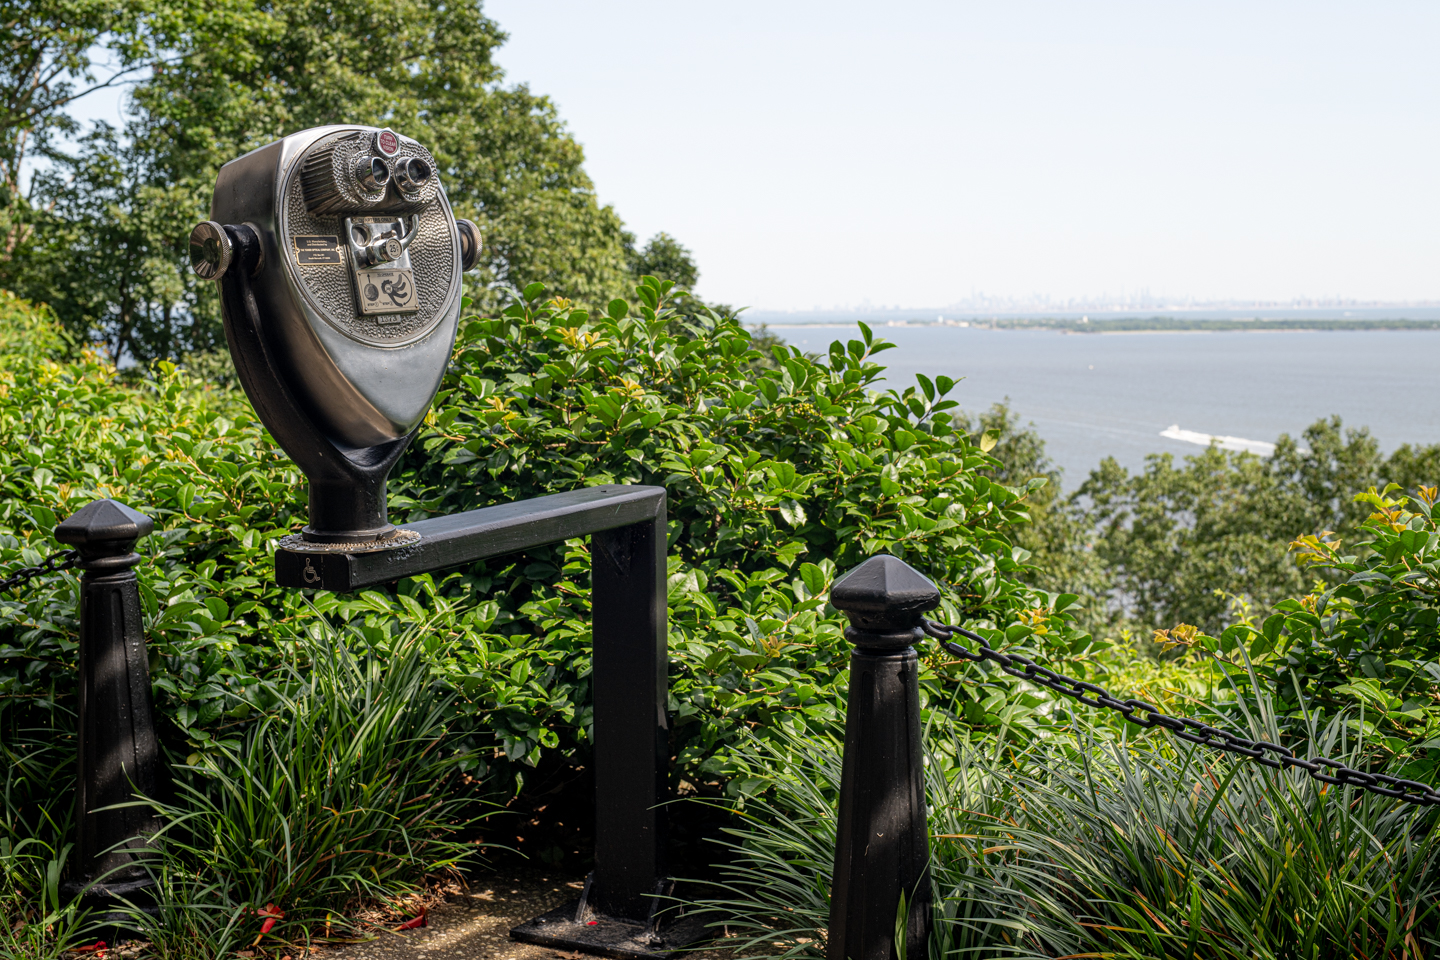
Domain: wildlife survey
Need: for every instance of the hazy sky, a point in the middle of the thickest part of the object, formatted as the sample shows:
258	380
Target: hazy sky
911	153
827	153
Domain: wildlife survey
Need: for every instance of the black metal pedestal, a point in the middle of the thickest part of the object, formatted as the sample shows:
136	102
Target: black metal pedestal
628	681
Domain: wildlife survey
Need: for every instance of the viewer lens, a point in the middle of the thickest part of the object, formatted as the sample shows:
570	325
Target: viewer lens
372	174
412	174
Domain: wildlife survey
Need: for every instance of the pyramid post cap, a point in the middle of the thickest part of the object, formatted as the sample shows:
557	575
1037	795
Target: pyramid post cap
885	587
104	522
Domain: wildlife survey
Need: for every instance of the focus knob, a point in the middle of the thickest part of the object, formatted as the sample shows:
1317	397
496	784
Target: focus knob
469	244
210	250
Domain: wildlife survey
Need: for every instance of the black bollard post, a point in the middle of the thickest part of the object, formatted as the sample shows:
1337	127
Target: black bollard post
882	847
119	756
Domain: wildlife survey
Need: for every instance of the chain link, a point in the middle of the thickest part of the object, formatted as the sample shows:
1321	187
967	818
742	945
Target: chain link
61	560
1262	752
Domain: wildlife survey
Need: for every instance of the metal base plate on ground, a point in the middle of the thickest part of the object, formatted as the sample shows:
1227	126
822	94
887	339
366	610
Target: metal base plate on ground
605	937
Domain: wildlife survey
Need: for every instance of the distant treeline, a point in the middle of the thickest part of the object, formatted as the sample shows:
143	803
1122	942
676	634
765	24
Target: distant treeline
1171	324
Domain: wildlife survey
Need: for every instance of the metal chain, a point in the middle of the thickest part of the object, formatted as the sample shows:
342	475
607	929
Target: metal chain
61	560
1410	791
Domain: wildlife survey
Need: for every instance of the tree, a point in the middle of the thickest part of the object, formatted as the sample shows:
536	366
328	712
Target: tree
1172	535
1320	475
45	66
243	73
105	254
1177	542
1057	535
664	256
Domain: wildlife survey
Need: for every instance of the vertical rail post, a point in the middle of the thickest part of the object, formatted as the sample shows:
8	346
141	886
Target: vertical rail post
632	730
119	756
882	847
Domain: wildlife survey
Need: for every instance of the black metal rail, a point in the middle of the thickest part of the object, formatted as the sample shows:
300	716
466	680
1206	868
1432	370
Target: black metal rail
630	660
473	535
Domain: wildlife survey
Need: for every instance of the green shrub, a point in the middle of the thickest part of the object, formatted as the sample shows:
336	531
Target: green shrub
198	462
1363	642
778	476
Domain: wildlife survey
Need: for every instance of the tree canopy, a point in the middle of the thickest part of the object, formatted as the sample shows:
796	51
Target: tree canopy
664	256
101	230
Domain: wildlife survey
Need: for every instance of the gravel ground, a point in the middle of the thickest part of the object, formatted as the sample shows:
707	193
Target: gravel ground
477	927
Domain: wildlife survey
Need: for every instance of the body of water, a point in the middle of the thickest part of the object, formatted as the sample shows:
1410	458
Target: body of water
1093	396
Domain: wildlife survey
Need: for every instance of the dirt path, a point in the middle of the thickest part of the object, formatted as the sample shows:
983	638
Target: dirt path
477	927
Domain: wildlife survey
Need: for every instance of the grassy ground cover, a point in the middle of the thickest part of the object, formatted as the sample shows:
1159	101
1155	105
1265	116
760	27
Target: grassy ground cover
1086	844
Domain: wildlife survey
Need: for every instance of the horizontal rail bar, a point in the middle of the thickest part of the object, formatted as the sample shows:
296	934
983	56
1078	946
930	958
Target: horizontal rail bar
474	535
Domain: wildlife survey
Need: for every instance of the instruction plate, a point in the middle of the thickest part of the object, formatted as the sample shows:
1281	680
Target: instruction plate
386	291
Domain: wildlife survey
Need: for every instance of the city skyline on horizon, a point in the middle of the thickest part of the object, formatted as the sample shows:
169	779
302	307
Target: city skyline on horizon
1103	304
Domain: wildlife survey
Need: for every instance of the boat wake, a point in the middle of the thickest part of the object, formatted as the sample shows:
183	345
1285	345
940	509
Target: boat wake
1261	447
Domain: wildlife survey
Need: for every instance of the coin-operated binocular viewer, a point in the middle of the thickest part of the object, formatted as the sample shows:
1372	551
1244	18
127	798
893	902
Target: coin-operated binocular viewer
339	264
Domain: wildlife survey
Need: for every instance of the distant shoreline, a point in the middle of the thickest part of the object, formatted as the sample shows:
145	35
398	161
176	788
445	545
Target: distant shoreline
1148	325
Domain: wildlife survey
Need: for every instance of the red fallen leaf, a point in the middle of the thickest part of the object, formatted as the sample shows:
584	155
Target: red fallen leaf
420	921
98	947
271	913
592	923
